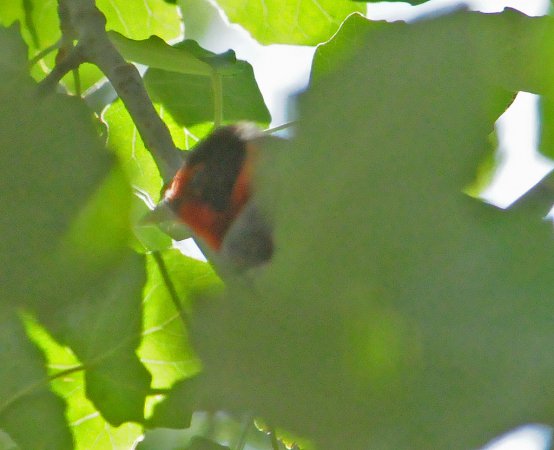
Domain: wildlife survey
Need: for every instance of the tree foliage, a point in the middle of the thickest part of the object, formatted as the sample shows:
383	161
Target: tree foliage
397	312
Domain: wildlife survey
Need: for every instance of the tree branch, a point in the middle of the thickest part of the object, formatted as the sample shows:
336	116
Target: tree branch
81	19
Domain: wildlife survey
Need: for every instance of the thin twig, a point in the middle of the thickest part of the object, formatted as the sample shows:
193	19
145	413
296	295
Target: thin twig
283	126
66	65
43	53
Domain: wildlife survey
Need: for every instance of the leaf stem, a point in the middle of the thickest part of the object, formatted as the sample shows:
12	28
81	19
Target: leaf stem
246	425
66	65
28	10
217	88
273	437
169	285
37	384
77	81
43	53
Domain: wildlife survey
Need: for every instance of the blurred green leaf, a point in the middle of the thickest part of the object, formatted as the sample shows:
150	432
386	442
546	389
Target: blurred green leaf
31	414
353	32
64	254
6	443
14	50
546	143
411	2
289	22
85	422
98	315
190	98
176	409
397	312
198	17
200	443
50	164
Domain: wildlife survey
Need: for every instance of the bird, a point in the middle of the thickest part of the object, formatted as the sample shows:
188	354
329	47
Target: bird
214	195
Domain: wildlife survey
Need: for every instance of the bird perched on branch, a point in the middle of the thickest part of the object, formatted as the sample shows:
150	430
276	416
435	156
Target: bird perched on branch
213	194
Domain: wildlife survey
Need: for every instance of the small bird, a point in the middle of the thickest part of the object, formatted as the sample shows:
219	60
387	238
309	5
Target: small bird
213	194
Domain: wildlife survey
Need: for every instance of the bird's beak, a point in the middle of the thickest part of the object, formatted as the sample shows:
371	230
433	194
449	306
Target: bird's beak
160	214
165	218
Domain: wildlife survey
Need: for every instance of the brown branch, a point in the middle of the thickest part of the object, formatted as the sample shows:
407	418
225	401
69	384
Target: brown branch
81	19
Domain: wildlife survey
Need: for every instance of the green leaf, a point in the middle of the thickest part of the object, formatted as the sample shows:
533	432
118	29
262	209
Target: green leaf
136	20
165	349
31	414
51	163
156	53
14	51
289	22
176	409
200	443
10	12
353	32
397	312
190	98
86	424
140	20
546	144
136	160
98	315
41	23
411	2
6	443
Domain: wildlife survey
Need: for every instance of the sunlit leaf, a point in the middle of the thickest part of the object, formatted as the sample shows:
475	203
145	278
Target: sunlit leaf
85	422
141	19
291	21
31	414
165	349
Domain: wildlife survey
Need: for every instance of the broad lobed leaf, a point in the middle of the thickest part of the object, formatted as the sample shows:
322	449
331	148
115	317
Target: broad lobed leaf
398	312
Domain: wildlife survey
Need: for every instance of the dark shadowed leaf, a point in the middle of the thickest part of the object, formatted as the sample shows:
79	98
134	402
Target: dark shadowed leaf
50	164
